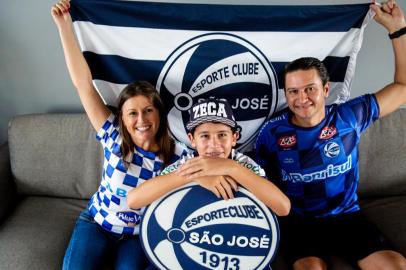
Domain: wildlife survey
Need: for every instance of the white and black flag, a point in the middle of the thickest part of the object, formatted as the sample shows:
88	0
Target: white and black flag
232	52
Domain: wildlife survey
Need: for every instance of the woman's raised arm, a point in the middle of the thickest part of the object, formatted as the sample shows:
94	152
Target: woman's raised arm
78	68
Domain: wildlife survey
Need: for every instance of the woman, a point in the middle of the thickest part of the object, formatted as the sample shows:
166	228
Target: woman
136	147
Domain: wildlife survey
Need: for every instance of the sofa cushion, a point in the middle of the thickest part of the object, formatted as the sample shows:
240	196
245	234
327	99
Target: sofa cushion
7	187
389	216
382	157
37	238
55	155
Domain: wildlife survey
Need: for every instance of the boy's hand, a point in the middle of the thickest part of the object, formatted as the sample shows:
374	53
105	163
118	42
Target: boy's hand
221	186
205	166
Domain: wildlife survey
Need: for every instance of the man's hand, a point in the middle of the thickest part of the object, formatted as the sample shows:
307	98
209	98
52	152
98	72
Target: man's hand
389	15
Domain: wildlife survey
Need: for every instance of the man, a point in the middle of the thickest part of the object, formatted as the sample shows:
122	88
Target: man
311	151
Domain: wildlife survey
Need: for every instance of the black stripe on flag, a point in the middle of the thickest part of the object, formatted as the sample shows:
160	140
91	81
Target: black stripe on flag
121	70
209	17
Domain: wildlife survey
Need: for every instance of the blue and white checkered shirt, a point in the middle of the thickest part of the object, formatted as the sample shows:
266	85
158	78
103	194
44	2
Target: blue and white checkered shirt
108	205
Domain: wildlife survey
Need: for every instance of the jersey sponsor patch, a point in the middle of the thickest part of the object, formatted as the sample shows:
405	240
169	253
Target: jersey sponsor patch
331	149
288	160
322	175
130	218
328	132
287	141
190	228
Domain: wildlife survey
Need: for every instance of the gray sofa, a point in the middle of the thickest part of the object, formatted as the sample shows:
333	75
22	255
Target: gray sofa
51	165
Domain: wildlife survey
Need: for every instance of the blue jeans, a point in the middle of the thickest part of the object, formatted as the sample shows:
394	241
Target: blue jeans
90	244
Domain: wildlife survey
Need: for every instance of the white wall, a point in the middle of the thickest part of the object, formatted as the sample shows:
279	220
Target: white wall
34	79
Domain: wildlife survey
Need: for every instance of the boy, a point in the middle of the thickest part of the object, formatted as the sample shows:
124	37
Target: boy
213	132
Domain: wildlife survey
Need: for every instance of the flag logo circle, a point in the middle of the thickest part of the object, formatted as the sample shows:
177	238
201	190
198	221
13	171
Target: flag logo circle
190	228
224	66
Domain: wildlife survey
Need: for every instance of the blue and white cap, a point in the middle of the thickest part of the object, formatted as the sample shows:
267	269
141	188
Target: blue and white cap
211	110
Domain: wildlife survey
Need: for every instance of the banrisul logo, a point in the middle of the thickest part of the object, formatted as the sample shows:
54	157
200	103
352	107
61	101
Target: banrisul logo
190	228
223	66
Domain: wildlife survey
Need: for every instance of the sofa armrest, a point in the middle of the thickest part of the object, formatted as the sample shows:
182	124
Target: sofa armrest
7	186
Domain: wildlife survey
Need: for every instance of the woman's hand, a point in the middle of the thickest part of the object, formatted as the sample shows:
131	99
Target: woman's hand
60	13
221	186
78	68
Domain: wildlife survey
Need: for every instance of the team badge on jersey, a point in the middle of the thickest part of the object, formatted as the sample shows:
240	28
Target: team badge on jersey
223	66
328	132
190	228
331	149
287	141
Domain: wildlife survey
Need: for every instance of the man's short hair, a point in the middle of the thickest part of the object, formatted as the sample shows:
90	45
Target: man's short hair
307	63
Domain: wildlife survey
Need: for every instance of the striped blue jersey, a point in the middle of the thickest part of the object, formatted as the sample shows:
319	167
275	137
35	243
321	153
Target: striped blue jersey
317	167
108	205
240	158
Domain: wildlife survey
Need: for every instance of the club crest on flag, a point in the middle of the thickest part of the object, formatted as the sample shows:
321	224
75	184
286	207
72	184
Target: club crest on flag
190	228
224	66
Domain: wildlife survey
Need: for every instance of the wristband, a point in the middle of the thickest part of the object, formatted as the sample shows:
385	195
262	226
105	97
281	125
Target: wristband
398	33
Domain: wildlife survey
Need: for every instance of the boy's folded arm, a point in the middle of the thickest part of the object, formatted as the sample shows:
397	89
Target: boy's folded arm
153	189
262	188
205	166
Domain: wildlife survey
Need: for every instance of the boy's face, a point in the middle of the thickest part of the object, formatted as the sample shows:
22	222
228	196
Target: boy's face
213	140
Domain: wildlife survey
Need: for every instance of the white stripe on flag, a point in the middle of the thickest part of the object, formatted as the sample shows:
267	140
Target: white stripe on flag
109	91
158	44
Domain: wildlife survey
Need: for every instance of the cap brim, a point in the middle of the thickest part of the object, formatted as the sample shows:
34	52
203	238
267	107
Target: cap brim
208	119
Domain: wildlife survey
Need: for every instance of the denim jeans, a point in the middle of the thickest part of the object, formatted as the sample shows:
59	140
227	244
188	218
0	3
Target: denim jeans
90	244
